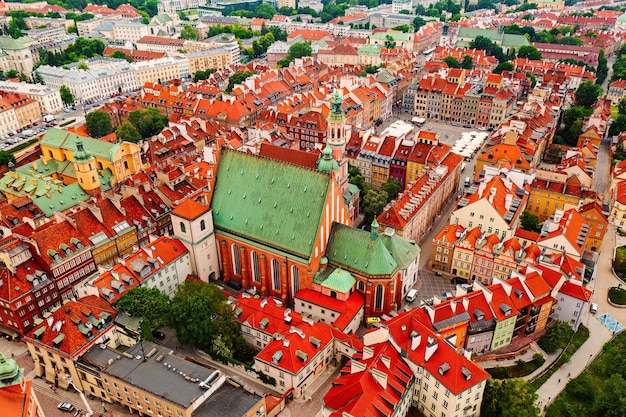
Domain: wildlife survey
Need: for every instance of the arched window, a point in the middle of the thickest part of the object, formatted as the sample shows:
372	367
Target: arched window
295	278
275	275
378	297
236	260
256	272
202	225
183	228
360	285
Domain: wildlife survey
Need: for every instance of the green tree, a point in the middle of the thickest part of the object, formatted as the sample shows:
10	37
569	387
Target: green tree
418	22
530	52
509	398
490	48
98	123
199	314
612	400
66	94
6	157
121	55
374	202
401	28
148	303
189	32
126	132
618	125
148	122
452	62
392	187
602	70
555	337
530	222
265	11
13	29
503	66
587	94
355	177
300	49
83	66
467	62
390	42
12	73
237	78
621	107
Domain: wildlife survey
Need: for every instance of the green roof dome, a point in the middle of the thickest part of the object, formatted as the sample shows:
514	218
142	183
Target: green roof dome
327	163
8	368
81	155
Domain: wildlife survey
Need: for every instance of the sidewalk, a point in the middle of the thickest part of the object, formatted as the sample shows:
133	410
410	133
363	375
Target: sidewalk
599	334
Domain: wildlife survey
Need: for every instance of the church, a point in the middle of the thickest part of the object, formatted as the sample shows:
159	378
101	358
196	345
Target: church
275	221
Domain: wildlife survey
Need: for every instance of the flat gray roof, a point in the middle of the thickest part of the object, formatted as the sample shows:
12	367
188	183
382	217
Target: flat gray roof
227	401
165	378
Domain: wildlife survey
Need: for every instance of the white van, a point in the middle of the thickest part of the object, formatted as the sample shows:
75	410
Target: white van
467	181
48	118
594	308
411	295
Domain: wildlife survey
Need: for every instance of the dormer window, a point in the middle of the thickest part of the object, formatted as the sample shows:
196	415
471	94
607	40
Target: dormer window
54	255
65	249
77	243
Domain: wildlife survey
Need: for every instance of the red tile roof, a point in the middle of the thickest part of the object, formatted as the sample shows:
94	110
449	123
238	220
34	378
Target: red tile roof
190	210
576	290
70	320
293	156
358	390
347	309
412	333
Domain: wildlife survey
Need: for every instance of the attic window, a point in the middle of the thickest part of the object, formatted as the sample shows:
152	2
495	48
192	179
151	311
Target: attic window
445	367
54	255
301	355
57	340
478	313
263	324
65	249
238	312
39	332
77	243
466	373
506	309
315	341
276	357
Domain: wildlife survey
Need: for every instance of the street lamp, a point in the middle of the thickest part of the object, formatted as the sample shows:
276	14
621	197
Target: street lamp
68	379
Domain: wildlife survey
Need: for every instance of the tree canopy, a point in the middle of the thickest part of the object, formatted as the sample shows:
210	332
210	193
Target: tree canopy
503	66
374	202
66	95
490	48
587	94
6	157
148	122
530	52
126	132
98	123
189	32
555	337
530	222
148	303
199	313
237	78
509	398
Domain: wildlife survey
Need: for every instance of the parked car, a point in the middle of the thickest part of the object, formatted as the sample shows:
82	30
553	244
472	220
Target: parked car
457	280
594	308
158	334
65	407
411	295
447	295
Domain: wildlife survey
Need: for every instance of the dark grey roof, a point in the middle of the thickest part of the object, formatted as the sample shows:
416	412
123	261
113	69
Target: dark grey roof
165	378
227	401
457	318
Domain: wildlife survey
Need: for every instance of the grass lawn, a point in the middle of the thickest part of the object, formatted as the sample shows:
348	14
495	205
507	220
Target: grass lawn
580	394
614	112
617	295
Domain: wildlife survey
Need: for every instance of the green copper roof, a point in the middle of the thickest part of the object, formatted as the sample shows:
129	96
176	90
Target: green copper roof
61	200
10	44
327	163
403	251
336	279
58	138
493	35
370	50
269	201
514	40
397	36
354	250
